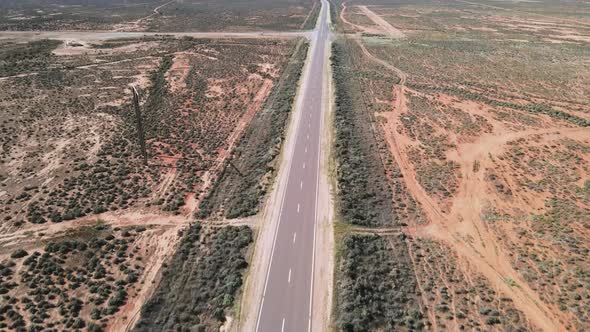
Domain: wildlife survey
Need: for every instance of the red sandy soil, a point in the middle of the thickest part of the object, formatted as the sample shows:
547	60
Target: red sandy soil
462	227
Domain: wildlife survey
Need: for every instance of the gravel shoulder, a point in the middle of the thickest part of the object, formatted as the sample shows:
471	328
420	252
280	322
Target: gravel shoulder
324	250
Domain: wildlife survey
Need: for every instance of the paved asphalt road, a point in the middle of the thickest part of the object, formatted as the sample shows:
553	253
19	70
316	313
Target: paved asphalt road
287	300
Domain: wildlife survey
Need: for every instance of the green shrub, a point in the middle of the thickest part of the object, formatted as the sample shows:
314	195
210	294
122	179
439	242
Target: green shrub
19	253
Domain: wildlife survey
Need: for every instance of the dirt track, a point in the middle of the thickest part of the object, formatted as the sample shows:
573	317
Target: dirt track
463	222
387	28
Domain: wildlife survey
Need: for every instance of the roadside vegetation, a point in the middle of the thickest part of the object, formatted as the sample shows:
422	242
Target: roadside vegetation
243	184
68	131
311	20
200	284
364	197
376	287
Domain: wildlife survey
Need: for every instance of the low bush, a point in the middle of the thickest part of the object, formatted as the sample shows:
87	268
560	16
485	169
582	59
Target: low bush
200	283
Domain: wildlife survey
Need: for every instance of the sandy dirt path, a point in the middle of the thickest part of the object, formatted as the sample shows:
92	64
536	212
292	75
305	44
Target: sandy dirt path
114	219
87	66
346	21
308	15
390	30
137	23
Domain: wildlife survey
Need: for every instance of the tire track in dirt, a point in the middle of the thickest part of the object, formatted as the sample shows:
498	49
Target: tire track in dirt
137	24
309	15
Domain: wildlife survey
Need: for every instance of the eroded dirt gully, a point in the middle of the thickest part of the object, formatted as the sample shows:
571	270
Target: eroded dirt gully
462	227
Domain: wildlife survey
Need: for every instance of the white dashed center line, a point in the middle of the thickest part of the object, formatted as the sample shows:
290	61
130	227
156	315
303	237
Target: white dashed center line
301	185
298	207
283	326
289	279
294	237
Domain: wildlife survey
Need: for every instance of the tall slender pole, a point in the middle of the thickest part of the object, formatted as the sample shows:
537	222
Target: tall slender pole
140	134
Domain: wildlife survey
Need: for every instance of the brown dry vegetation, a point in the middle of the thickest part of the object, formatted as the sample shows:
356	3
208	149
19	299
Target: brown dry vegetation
488	127
243	184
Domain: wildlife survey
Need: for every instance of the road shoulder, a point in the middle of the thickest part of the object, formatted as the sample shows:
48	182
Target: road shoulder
324	241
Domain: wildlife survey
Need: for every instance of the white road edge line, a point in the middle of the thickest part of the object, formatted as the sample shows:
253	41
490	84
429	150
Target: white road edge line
313	44
315	226
274	241
317	193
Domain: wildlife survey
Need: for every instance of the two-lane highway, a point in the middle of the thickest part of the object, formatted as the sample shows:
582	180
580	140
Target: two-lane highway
286	303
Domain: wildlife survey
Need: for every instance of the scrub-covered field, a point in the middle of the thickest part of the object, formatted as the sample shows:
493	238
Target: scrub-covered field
479	117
